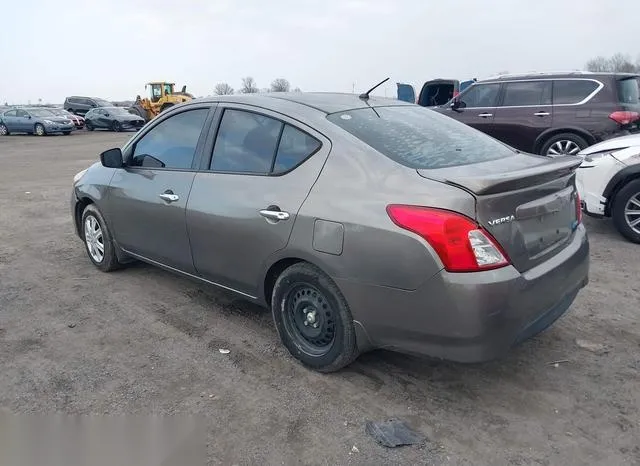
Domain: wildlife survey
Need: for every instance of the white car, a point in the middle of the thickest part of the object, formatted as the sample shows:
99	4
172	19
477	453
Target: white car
609	183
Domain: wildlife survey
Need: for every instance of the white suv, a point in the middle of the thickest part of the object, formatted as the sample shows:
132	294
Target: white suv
609	183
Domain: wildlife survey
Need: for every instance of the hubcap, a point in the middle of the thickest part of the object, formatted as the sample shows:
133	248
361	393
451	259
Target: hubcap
310	319
39	130
93	238
564	147
632	213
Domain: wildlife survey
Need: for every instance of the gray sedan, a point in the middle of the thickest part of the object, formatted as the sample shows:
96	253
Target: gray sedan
361	222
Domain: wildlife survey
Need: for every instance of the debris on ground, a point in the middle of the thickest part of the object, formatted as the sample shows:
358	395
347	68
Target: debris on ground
224	351
72	325
597	348
393	433
354	449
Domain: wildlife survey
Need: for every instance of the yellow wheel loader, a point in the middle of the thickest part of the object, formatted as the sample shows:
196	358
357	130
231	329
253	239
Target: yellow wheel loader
161	97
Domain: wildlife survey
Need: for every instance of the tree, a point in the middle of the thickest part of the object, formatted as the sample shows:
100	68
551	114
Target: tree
223	89
280	85
248	86
619	63
297	89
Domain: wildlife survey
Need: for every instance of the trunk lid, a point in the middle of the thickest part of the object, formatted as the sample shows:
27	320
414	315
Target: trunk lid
527	202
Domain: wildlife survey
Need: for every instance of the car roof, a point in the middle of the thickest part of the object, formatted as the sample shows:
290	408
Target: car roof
556	75
325	102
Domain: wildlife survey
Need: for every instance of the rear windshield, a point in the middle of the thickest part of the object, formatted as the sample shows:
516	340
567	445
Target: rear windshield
629	90
419	137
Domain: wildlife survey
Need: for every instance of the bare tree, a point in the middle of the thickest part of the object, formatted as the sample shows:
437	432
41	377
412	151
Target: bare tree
249	86
280	85
297	89
617	63
223	89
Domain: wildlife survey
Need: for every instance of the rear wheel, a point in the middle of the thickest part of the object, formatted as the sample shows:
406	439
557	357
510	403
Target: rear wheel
626	211
564	144
313	318
115	126
38	130
66	133
4	131
88	125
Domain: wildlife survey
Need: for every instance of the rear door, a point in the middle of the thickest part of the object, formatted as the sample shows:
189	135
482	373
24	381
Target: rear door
524	113
477	106
244	203
10	120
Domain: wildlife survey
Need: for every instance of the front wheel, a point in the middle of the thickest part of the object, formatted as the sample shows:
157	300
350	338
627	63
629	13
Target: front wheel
115	126
97	240
39	130
313	318
626	211
564	144
66	133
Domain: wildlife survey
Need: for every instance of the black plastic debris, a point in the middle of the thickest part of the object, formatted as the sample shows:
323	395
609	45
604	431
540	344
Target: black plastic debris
393	433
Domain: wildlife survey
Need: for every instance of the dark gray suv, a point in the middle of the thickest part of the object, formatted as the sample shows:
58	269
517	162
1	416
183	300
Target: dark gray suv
551	114
81	105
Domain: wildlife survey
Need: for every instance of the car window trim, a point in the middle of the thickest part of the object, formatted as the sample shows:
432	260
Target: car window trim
129	148
284	119
582	102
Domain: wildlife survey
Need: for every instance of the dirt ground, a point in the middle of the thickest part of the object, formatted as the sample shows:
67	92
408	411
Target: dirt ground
78	341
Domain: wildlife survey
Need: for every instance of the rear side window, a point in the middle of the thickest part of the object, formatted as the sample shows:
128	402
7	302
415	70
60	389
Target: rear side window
480	95
527	93
294	148
629	91
572	91
420	138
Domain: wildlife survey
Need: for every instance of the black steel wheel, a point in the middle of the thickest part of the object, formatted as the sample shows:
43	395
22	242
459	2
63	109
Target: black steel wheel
115	126
313	318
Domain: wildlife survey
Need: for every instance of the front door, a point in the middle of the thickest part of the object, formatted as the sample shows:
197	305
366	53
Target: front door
23	121
477	106
243	206
524	113
147	199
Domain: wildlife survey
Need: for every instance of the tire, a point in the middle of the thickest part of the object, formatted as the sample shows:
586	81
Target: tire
563	144
88	125
39	130
115	126
303	293
628	200
66	133
107	261
4	131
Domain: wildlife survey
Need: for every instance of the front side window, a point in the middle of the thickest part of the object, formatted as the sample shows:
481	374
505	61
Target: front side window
21	113
246	142
171	143
420	138
572	91
518	94
480	95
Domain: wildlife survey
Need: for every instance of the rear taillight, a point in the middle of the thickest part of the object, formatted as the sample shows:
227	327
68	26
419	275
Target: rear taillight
625	117
578	208
461	244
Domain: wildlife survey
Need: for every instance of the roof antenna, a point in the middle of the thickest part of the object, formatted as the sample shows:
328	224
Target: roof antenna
365	96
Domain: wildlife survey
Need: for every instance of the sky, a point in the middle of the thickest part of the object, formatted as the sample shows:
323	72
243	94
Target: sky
50	49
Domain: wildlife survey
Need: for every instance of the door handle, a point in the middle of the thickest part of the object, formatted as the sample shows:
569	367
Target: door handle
275	215
169	197
541	114
485	115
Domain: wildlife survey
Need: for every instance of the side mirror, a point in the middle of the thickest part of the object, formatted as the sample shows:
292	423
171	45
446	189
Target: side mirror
455	104
29	117
92	104
112	158
106	114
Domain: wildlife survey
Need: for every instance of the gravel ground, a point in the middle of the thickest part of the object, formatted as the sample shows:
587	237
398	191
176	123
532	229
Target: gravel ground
78	341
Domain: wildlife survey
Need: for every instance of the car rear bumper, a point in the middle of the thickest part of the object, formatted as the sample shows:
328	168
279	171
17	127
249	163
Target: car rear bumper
471	317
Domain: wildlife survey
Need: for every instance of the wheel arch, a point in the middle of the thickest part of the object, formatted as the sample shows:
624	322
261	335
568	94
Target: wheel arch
551	132
616	183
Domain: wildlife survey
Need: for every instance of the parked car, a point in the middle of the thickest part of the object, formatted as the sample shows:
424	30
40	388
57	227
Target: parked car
38	121
433	93
113	118
609	183
361	222
78	121
81	105
551	114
